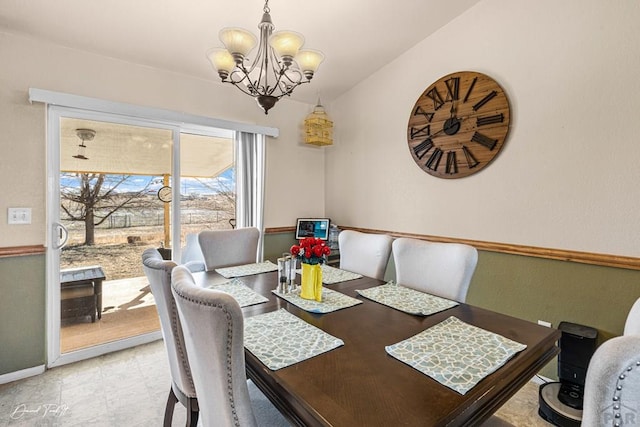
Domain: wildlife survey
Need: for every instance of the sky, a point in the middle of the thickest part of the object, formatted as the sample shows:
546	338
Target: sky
188	186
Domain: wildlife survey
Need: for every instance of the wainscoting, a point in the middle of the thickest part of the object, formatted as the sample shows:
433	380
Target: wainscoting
533	283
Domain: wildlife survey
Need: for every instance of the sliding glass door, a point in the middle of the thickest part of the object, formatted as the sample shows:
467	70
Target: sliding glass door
117	186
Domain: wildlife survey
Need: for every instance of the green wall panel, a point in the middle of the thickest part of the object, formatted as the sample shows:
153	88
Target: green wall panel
275	244
22	313
524	287
541	289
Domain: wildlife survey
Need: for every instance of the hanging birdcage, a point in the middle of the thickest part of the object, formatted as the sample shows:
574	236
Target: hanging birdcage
318	127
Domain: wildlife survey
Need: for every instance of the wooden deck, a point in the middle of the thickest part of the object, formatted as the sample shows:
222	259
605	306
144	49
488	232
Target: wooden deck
128	310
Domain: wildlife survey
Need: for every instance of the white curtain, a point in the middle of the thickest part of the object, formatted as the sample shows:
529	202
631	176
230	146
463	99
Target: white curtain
250	160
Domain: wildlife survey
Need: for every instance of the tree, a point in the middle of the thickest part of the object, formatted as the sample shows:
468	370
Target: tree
95	199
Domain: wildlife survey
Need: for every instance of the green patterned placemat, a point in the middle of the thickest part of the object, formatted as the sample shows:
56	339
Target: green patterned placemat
247	269
331	301
241	292
407	299
331	275
280	339
455	354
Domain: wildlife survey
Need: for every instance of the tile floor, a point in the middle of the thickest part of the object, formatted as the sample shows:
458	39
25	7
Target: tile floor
130	387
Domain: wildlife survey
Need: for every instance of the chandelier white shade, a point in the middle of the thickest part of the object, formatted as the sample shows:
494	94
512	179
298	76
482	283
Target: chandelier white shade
279	65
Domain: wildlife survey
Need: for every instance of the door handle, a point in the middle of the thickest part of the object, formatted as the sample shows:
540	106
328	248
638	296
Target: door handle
60	235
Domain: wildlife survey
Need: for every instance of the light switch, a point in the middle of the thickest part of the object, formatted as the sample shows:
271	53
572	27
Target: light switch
19	216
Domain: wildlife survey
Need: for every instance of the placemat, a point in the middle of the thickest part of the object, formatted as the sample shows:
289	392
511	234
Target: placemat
407	299
331	275
241	292
280	339
331	301
247	269
455	354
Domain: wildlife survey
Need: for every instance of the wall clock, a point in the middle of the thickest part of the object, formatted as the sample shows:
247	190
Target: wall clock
458	125
164	194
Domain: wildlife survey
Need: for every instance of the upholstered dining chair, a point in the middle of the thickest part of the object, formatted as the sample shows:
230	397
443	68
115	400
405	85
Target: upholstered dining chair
442	269
632	324
158	272
223	248
192	254
364	253
214	330
612	386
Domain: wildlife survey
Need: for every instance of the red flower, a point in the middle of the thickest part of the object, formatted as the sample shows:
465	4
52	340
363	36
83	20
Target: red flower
318	250
311	250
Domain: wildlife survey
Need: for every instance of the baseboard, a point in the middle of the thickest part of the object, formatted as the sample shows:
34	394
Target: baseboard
22	374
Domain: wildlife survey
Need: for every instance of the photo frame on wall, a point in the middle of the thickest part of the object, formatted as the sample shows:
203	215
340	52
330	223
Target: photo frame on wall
312	227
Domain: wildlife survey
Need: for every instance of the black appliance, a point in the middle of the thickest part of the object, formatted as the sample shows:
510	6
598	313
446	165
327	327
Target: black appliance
561	402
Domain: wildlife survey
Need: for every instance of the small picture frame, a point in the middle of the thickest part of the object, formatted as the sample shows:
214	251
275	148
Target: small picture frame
312	227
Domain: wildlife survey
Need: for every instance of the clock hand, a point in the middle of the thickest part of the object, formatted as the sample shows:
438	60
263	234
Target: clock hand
449	124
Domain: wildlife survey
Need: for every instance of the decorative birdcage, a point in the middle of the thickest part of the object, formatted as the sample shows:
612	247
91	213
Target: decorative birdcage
318	127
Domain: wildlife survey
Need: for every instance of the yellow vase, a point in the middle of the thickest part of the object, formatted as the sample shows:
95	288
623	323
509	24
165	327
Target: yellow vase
311	282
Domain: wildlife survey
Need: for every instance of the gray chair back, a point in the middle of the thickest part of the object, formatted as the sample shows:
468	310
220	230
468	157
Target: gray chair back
158	272
224	248
612	386
213	328
442	269
632	324
364	253
192	254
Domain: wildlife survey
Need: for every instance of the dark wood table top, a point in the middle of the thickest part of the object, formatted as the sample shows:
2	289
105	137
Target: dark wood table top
359	384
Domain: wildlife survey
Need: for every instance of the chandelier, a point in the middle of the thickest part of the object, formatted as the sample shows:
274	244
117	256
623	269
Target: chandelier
278	67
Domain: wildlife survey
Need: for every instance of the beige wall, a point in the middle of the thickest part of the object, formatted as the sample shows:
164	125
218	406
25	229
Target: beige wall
29	63
568	175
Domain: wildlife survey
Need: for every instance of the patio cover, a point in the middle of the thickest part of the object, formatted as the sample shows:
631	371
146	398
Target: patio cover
134	150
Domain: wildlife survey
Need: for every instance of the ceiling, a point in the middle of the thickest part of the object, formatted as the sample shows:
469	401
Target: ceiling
358	37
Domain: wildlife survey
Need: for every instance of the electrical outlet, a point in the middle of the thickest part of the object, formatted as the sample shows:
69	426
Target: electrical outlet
19	216
544	323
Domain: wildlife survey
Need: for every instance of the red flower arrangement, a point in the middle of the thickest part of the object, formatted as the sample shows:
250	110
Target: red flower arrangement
311	250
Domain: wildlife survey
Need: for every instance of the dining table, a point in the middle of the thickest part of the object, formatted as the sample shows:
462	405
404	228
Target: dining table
361	384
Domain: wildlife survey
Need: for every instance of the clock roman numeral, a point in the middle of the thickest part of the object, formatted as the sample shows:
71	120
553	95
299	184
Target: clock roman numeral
484	100
423	148
423	131
473	83
484	140
435	96
453	88
488	120
452	164
427	115
434	160
471	161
